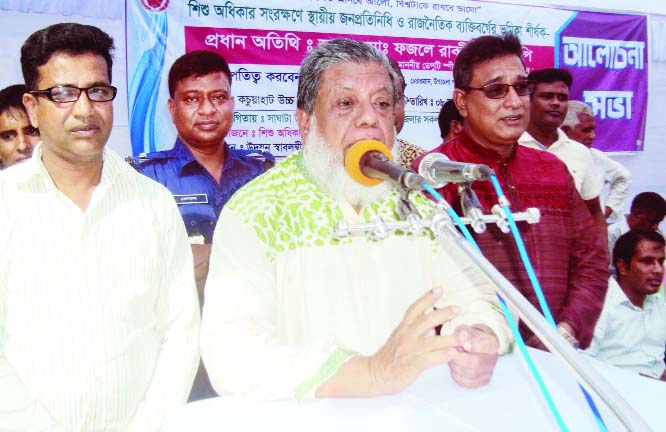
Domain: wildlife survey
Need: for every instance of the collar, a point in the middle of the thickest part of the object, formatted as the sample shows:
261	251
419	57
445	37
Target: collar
527	139
482	154
616	297
112	167
182	156
33	167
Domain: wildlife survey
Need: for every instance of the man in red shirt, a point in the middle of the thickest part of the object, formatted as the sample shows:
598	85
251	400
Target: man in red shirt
492	93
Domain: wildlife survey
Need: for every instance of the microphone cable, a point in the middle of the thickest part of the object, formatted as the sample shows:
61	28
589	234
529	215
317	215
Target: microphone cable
504	202
507	314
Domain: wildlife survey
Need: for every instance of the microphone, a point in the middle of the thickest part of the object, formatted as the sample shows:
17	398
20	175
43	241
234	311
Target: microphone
369	162
439	170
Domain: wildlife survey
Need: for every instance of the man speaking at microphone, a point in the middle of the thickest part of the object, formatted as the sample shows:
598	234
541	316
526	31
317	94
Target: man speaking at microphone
292	311
492	92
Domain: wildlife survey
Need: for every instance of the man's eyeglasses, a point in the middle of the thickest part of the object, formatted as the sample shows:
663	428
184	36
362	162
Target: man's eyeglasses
498	91
66	93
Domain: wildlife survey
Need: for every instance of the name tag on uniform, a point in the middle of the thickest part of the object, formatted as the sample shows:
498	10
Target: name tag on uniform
191	199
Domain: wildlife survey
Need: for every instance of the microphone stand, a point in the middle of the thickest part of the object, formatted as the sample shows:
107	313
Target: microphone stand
440	223
586	374
471	207
411	221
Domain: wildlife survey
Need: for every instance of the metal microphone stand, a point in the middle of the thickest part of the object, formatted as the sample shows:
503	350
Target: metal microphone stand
442	226
411	221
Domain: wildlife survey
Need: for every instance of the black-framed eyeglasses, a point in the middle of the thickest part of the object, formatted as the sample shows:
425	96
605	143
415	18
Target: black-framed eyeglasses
67	93
498	91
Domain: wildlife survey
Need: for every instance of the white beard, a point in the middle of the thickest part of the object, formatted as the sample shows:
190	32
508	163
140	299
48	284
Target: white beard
325	165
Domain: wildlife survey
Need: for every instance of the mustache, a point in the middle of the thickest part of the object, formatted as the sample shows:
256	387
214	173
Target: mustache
94	124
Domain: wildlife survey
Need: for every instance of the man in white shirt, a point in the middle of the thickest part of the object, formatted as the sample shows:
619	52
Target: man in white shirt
98	307
647	211
631	331
580	125
293	311
548	108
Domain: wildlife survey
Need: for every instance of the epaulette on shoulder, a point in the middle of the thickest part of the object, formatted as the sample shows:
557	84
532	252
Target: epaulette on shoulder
259	155
145	158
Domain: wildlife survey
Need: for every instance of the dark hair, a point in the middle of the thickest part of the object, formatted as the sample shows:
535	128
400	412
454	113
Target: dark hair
480	50
196	63
650	204
68	38
448	112
12	98
625	246
396	67
332	53
551	75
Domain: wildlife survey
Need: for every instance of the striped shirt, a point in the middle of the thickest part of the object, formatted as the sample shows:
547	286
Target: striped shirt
98	308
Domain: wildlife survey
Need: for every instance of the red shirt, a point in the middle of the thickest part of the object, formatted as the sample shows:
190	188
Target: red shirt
565	249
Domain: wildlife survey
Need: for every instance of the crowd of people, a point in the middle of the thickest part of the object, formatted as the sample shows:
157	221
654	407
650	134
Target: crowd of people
118	281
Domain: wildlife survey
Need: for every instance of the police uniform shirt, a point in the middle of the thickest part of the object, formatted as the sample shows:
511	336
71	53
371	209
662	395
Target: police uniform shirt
199	197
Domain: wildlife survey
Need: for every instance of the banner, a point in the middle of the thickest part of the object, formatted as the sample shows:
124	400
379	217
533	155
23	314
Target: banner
607	55
265	42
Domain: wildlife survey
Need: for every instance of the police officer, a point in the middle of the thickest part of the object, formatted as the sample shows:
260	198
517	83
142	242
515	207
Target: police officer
201	170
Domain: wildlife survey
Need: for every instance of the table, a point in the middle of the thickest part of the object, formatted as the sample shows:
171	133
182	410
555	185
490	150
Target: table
510	402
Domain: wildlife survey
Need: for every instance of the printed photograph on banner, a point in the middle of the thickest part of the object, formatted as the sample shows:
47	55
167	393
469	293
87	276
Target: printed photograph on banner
265	44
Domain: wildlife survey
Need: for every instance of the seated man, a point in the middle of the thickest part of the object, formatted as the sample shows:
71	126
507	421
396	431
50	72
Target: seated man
647	211
579	125
292	311
201	170
450	121
631	330
17	135
492	92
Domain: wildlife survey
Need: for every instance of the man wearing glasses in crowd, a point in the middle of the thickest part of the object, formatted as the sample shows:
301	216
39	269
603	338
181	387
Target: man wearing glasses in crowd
492	93
98	308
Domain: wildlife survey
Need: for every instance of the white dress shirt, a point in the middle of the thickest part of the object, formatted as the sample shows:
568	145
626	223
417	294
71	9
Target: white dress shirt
628	336
615	230
618	179
98	308
576	157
